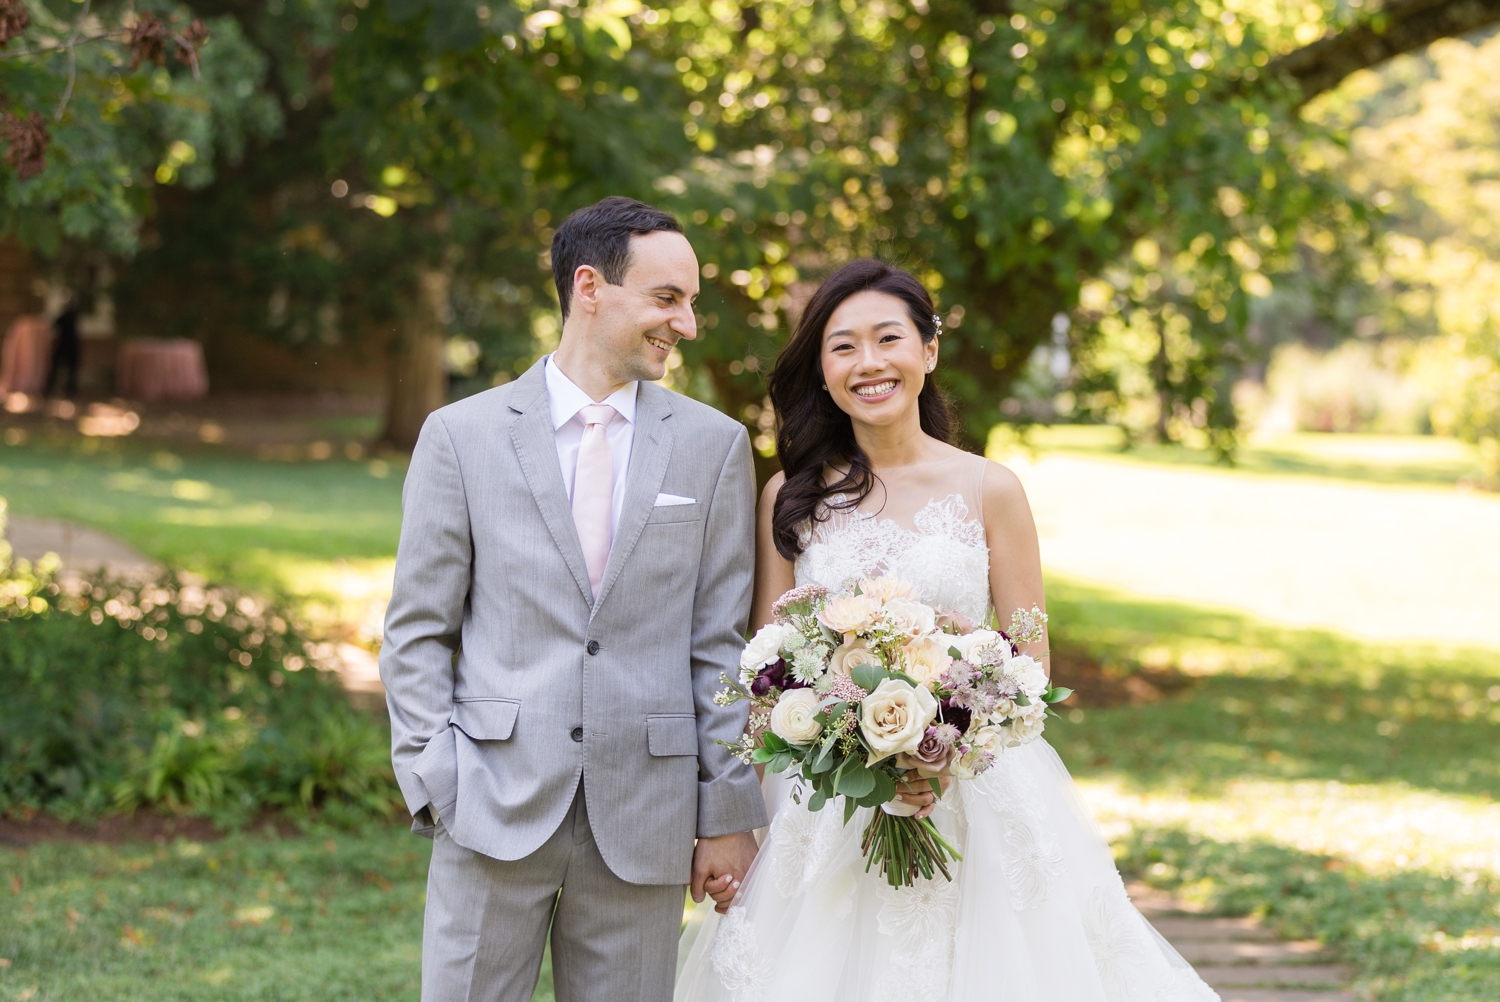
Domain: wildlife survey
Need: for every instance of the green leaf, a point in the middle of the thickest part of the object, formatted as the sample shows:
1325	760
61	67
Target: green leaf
1057	694
850	806
771	741
867	677
954	654
856	782
816	801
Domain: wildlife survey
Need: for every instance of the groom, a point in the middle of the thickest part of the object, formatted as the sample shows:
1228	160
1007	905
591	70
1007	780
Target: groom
573	576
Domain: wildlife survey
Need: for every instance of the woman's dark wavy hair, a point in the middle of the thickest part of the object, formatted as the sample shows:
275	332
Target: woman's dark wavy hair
813	435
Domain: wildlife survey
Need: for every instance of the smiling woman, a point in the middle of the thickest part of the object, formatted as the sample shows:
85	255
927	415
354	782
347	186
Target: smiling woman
862	350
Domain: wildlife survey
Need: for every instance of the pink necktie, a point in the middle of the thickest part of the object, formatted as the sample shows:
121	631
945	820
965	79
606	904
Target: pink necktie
594	491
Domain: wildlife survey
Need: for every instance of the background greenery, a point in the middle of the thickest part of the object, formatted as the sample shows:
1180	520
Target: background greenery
1122	206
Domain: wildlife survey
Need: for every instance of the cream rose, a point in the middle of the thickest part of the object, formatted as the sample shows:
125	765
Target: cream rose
911	618
894	718
884	589
926	660
848	656
849	615
1029	674
983	647
764	647
794	717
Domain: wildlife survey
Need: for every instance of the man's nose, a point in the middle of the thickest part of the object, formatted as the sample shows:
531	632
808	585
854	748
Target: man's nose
685	323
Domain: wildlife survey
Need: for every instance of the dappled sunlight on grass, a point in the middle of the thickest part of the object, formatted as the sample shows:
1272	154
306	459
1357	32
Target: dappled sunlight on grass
1386	459
323	534
1376	561
1378	827
1344	790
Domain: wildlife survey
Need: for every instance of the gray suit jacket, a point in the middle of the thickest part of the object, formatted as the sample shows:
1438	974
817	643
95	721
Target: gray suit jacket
506	685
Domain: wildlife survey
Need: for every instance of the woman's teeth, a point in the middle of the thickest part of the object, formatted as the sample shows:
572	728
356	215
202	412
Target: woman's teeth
877	389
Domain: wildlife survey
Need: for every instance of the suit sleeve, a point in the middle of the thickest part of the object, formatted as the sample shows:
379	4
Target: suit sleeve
729	798
423	624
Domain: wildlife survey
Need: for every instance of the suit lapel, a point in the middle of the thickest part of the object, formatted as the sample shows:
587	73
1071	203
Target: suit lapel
650	452
536	448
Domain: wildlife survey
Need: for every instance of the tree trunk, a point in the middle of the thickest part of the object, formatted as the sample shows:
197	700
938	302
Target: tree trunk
1398	27
418	382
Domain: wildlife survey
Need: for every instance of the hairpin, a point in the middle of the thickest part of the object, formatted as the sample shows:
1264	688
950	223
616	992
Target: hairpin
937	322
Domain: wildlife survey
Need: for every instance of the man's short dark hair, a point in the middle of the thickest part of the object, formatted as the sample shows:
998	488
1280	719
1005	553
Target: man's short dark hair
599	235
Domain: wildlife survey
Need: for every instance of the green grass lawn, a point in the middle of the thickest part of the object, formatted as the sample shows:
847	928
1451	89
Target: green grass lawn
320	532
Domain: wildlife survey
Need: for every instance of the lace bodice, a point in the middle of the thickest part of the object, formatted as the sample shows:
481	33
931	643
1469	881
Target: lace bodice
944	554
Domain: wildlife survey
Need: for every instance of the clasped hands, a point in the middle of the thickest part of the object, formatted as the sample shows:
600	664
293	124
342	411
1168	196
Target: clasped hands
721	862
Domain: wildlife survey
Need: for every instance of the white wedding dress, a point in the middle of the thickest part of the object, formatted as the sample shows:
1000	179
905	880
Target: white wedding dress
1036	912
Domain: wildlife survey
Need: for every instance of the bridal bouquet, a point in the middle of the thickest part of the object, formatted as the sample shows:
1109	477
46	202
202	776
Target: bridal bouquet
862	690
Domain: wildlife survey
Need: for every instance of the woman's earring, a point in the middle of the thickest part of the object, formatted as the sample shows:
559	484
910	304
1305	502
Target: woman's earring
825	387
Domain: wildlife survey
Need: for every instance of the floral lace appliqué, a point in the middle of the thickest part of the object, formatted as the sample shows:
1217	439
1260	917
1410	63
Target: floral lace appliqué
945	555
799	842
1031	864
1129	963
742	969
922	919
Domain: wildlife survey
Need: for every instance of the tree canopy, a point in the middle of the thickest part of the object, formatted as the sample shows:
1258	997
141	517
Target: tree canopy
1108	184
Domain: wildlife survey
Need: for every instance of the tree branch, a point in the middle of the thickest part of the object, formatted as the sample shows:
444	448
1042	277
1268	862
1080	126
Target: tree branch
1399	27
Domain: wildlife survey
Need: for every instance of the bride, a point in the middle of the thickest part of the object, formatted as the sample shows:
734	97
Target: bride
1036	912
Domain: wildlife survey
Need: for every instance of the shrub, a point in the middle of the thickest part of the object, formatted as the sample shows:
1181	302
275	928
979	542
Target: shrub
174	694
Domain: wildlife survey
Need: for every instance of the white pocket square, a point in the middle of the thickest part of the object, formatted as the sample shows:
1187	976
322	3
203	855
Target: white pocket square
664	500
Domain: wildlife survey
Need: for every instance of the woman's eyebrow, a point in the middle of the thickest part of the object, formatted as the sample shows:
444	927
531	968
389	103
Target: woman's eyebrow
845	331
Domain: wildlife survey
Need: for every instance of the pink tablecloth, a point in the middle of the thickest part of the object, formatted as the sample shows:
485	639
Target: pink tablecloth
26	356
160	369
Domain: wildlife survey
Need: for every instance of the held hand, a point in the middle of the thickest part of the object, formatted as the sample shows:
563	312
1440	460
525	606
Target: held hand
918	792
719	867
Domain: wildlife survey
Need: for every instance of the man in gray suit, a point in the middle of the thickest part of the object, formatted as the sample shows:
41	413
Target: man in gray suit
573	576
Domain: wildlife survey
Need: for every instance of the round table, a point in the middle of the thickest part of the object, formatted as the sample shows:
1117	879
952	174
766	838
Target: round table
160	369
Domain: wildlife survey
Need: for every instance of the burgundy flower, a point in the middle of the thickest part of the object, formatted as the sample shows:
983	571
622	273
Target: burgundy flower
958	716
775	676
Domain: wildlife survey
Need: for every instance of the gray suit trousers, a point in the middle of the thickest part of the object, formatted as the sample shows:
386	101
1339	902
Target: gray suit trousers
487	921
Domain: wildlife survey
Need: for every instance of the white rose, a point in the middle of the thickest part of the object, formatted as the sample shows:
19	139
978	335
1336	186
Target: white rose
990	739
793	718
764	647
926	660
894	718
846	657
982	647
911	618
1030	675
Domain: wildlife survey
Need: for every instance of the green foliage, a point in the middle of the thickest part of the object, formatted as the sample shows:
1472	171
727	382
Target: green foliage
166	693
1010	161
115	125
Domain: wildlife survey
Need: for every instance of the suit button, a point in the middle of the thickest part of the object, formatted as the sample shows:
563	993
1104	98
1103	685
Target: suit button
593	647
577	734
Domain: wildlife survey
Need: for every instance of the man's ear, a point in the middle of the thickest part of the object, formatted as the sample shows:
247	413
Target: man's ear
586	285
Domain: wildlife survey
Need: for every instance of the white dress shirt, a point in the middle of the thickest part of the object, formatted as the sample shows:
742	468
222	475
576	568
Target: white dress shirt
566	400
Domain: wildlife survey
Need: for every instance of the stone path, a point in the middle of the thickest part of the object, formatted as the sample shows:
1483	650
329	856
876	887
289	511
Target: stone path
81	549
1242	960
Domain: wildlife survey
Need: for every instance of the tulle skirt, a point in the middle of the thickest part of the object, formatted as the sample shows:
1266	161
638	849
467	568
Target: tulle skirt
1036	912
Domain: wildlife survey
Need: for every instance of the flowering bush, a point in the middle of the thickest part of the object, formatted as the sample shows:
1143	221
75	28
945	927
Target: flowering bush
171	694
864	690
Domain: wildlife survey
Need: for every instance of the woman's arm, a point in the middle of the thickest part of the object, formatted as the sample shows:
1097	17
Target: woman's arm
1015	558
774	574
